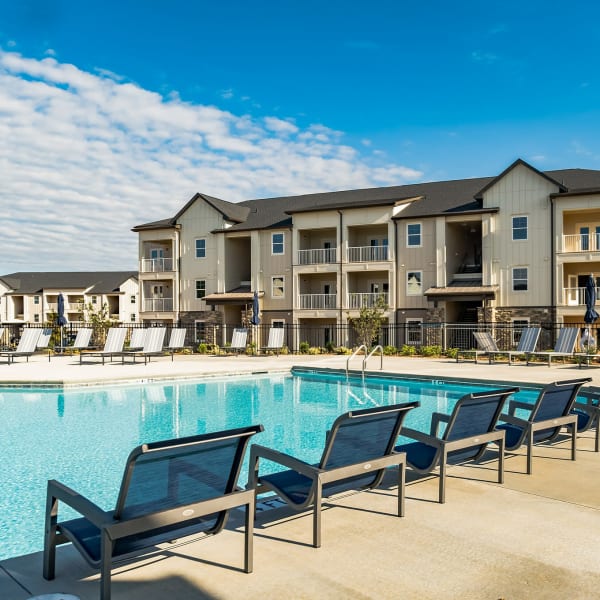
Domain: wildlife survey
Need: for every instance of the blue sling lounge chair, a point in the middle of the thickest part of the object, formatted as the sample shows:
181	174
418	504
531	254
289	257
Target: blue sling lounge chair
551	412
588	414
357	451
170	489
469	430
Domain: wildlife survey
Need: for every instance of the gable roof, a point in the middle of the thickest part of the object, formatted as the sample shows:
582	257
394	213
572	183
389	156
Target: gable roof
95	282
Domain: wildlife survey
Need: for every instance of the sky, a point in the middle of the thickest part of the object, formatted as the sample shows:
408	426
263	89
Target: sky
116	113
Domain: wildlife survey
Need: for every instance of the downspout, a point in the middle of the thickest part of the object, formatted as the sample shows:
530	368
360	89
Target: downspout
552	263
340	268
396	280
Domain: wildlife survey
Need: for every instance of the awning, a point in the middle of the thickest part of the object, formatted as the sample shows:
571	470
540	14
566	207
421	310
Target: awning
232	297
463	289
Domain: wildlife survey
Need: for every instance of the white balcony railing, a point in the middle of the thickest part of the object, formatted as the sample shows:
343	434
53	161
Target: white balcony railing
358	300
589	242
367	253
156	265
317	256
158	304
576	296
317	301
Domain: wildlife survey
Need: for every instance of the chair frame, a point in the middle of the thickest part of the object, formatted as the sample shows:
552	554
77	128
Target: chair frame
530	427
105	353
274	331
565	331
486	344
112	529
242	331
444	446
177	334
323	476
527	343
32	343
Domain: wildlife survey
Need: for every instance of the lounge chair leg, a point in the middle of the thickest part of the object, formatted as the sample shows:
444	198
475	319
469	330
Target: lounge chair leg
106	556
401	488
50	538
529	451
317	515
442	483
501	460
249	537
574	441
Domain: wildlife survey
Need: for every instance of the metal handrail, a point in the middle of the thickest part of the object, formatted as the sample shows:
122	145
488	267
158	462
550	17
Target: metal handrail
366	358
361	347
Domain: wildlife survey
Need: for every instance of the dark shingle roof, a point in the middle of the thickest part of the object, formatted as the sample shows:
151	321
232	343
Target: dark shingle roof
98	282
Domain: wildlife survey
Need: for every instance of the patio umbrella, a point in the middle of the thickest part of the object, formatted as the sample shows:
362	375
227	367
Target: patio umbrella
61	319
255	319
590	313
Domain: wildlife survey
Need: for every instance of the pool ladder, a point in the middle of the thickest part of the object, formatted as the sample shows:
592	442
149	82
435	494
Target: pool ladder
366	358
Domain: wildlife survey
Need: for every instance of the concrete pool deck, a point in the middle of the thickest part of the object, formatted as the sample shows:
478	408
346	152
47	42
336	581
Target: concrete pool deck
535	536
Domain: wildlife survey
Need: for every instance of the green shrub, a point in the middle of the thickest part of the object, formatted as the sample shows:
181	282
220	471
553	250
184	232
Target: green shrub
202	348
407	350
303	347
330	347
342	350
431	350
314	350
390	350
452	352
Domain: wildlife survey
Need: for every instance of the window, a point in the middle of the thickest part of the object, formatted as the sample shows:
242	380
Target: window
201	248
36	299
519	228
200	331
94	299
517	329
36	318
519	277
133	317
277	243
414	332
277	287
200	288
277	323
133	299
413	235
414	283
157	253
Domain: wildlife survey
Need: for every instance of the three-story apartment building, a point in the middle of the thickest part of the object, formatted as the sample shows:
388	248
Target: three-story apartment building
515	248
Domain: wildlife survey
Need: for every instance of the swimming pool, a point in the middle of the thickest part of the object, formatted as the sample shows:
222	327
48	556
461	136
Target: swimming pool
82	436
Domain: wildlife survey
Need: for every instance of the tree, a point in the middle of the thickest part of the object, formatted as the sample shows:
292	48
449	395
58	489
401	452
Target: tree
368	323
98	317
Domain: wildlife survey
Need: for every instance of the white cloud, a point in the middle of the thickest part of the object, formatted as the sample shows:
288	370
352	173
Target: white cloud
86	156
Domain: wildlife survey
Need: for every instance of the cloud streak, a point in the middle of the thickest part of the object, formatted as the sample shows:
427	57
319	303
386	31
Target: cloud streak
86	156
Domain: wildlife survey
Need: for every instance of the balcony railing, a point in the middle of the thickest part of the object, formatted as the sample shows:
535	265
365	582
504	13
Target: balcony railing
367	253
317	301
158	304
317	256
156	265
588	242
358	300
576	296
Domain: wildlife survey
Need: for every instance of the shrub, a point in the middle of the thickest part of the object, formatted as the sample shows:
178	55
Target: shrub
452	352
431	350
330	347
203	348
342	350
390	350
314	350
303	347
407	350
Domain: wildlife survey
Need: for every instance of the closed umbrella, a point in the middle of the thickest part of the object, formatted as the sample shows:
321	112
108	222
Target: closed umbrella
61	319
590	312
255	318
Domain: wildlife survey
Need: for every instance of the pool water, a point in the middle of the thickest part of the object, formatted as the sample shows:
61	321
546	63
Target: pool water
82	436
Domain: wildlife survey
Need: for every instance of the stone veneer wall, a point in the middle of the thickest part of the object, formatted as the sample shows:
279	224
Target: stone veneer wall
210	317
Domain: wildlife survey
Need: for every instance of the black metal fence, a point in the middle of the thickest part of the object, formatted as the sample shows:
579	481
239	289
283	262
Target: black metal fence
204	337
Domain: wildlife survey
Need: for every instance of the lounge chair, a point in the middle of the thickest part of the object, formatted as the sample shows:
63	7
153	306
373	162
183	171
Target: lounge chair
588	414
275	341
358	449
113	346
153	345
238	341
485	345
565	346
170	489
527	343
551	411
82	341
137	339
469	430
26	346
176	341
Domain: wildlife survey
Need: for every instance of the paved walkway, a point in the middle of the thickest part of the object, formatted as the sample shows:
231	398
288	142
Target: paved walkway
536	536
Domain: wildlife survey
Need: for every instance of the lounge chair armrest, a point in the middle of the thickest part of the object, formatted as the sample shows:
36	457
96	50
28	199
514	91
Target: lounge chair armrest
512	420
436	419
80	503
420	436
257	452
514	404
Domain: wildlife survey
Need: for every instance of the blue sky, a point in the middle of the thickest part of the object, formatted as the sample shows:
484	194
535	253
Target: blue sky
116	113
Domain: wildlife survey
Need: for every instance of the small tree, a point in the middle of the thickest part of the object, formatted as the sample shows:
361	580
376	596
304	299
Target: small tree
368	323
98	318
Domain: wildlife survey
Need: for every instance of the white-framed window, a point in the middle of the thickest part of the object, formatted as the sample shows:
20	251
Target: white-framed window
133	299
36	299
520	279
414	283
414	332
94	299
200	331
158	291
413	235
157	253
519	227
133	317
201	248
278	286
517	329
200	288
277	323
277	243
36	318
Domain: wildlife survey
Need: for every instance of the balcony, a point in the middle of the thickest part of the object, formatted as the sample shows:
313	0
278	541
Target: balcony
317	301
156	265
158	305
576	296
317	256
360	300
588	242
367	253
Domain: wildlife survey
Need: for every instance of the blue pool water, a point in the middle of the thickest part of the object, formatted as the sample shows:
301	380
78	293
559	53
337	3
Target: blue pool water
82	436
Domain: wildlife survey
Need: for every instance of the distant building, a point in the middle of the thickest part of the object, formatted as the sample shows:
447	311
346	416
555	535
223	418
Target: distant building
31	297
515	248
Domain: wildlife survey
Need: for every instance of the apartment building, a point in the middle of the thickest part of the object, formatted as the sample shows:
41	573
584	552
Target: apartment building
32	297
513	248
